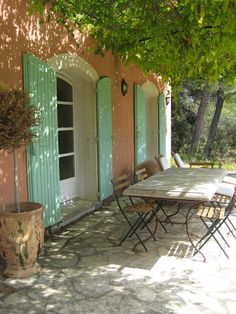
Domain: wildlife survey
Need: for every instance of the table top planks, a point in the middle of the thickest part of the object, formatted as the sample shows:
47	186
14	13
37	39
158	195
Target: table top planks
196	184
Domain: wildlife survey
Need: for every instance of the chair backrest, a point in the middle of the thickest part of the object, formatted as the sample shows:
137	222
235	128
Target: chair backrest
178	161
140	174
120	184
164	163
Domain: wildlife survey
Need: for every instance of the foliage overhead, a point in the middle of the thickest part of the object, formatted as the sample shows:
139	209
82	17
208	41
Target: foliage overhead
16	119
178	39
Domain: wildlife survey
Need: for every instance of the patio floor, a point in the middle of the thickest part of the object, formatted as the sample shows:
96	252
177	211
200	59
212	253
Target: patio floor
84	271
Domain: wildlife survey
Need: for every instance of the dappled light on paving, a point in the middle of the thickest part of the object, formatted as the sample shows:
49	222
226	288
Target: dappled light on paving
83	270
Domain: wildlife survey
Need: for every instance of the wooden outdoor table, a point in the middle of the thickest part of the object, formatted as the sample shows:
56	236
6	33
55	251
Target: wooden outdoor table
189	185
180	184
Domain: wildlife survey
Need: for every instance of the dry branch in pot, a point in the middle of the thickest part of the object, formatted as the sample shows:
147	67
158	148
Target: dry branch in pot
17	120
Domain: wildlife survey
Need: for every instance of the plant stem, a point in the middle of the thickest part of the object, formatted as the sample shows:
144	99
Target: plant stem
16	182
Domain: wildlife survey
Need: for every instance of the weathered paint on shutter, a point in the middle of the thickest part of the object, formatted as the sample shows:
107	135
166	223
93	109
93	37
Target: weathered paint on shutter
140	125
104	132
42	154
162	125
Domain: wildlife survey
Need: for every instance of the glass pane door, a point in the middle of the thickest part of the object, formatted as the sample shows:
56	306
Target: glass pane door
66	138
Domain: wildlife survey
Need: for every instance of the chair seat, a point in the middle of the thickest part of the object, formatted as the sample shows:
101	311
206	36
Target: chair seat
211	212
141	208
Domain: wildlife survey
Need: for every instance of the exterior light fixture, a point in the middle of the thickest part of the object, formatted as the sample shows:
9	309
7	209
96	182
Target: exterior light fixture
124	87
168	98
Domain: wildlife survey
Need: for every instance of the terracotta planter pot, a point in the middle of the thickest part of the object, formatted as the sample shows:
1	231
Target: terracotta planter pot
21	239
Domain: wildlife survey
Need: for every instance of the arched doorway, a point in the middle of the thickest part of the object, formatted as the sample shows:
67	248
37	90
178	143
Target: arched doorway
76	104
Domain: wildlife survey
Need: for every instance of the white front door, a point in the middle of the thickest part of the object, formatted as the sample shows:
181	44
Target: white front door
66	140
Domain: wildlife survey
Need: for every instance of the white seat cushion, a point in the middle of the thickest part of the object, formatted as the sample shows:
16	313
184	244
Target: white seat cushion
164	163
230	180
179	162
225	189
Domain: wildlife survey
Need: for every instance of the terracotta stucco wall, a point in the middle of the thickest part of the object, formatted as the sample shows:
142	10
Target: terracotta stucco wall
22	33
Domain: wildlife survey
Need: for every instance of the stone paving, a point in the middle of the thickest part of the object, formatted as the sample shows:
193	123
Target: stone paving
84	271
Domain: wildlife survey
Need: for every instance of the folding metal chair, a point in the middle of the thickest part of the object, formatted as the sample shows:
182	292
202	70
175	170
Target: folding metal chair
142	209
140	175
213	216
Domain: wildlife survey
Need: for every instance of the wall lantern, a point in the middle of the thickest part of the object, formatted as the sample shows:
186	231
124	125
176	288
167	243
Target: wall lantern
168	98
124	87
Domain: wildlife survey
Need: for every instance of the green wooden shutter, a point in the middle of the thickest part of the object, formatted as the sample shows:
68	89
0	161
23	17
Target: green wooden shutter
162	125
42	154
140	125
104	130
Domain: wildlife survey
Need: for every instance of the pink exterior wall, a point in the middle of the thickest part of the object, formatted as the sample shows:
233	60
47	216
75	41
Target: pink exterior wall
22	33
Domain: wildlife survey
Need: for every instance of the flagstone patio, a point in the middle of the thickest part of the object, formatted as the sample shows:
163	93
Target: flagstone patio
84	271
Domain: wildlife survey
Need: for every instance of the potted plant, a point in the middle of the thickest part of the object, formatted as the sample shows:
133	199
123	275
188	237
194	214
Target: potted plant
21	224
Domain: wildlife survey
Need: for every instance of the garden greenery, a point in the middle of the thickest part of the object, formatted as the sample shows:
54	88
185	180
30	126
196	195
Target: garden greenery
178	39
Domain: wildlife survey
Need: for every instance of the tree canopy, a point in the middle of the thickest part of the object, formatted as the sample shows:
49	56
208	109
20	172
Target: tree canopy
178	39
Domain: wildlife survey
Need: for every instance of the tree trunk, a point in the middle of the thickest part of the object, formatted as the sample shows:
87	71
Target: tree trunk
16	182
199	122
214	122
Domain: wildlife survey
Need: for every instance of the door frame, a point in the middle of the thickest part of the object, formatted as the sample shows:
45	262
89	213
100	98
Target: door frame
76	151
74	67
